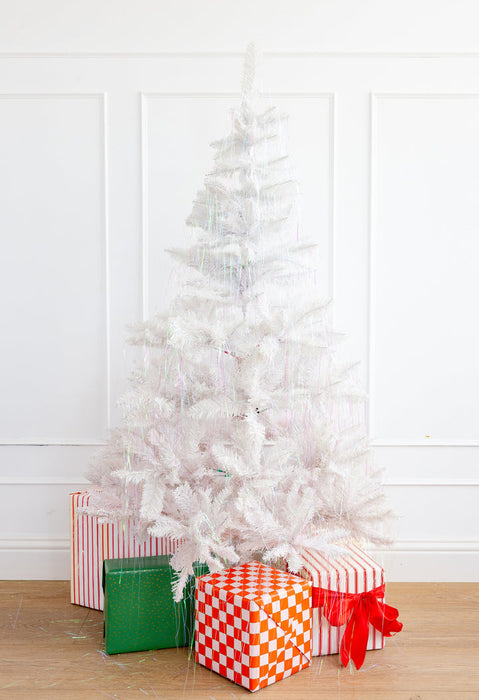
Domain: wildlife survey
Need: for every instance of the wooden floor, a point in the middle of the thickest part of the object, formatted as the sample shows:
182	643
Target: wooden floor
52	649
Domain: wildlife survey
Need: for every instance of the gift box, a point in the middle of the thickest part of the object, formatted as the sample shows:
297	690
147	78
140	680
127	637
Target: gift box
92	542
349	613
253	624
140	612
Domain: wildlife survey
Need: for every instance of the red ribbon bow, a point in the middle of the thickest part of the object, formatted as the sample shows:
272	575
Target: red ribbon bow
357	611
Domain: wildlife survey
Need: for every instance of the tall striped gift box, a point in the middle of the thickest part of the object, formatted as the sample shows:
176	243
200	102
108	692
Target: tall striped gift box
92	542
349	613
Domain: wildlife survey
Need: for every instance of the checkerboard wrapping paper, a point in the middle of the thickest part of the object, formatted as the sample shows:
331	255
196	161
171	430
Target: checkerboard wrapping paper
253	624
91	542
354	572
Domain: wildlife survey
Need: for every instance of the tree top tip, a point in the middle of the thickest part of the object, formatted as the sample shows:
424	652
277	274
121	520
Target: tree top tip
250	70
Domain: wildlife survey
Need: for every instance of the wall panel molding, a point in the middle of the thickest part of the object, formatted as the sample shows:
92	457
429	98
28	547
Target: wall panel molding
430	546
445	483
81	481
43	481
240	54
61	543
374	98
425	442
102	99
35	543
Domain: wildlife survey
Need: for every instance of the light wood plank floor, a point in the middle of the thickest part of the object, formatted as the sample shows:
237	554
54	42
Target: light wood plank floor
52	649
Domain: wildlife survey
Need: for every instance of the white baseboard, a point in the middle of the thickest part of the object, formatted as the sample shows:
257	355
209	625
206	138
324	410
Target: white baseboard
34	559
430	560
49	559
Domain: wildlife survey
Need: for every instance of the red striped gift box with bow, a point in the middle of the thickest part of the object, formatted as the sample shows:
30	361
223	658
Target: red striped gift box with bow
349	613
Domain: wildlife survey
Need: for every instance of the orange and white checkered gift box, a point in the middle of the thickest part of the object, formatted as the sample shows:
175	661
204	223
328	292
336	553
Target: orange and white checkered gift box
253	624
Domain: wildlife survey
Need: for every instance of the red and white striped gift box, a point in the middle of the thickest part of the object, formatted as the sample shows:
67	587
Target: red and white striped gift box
253	624
354	572
92	542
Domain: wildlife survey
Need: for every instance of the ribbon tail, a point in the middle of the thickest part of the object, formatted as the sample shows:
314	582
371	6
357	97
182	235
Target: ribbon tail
345	649
355	638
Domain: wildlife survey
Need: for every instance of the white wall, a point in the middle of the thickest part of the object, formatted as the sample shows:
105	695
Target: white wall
106	112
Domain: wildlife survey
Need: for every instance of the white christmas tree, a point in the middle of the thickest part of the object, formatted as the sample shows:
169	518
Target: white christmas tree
242	436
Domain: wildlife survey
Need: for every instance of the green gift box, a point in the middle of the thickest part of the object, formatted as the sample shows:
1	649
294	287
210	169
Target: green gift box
139	611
